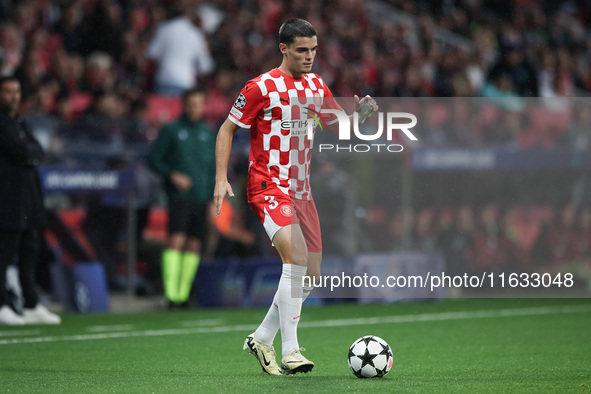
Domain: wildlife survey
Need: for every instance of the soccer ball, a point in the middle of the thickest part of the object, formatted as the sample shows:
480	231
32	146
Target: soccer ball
370	357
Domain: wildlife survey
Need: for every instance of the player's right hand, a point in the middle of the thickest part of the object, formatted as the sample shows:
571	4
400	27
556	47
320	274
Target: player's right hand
222	188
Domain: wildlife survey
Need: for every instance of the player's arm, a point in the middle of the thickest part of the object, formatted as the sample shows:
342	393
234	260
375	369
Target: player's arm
222	156
363	108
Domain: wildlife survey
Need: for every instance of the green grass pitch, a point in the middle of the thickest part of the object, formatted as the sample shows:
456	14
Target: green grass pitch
477	345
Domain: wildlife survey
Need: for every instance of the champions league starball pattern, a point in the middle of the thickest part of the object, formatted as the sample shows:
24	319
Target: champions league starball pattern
240	101
370	357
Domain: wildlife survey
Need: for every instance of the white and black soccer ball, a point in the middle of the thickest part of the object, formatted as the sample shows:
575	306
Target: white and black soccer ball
370	357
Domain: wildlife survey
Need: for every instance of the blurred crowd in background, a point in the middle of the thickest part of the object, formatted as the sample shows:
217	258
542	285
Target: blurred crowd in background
87	66
98	72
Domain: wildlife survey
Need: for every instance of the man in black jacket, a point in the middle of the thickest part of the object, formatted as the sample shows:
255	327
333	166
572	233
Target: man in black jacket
22	214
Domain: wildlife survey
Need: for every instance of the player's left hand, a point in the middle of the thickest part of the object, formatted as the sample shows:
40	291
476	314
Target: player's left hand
365	107
222	189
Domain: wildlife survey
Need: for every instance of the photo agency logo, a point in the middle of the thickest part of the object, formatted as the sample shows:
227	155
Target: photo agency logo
354	134
372	141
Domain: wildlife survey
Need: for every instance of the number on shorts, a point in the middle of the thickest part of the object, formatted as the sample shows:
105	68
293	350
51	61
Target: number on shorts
272	203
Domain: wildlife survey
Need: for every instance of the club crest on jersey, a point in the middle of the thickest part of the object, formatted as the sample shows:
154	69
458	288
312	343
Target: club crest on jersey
285	210
240	101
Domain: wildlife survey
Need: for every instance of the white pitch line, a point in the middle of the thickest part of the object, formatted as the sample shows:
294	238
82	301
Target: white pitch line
449	316
482	314
115	327
201	323
17	333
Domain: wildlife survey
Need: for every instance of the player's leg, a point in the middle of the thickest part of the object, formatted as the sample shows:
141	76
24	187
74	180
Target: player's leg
309	231
310	225
292	248
313	272
287	305
270	326
268	208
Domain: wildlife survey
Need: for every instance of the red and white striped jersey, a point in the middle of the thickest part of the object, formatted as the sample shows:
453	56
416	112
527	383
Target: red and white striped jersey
282	113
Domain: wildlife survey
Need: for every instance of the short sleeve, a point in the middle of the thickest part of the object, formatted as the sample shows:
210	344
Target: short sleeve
330	102
247	106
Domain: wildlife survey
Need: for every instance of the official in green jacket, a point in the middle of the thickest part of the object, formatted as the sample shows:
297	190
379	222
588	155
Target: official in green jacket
184	155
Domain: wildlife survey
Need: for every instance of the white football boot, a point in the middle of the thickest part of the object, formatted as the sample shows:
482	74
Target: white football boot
40	315
295	362
264	353
9	317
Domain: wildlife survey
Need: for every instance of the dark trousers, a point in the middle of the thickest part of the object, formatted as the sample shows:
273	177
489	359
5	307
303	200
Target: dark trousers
21	246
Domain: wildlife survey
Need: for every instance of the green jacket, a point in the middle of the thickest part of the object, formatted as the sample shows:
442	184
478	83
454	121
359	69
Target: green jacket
189	148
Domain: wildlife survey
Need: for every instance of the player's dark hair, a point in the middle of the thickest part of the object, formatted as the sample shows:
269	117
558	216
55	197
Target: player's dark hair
295	28
192	92
9	78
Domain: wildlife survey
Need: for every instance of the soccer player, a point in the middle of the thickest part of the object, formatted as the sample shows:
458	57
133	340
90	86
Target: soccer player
278	187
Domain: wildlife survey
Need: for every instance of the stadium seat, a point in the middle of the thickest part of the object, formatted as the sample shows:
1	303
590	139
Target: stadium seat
163	109
157	227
